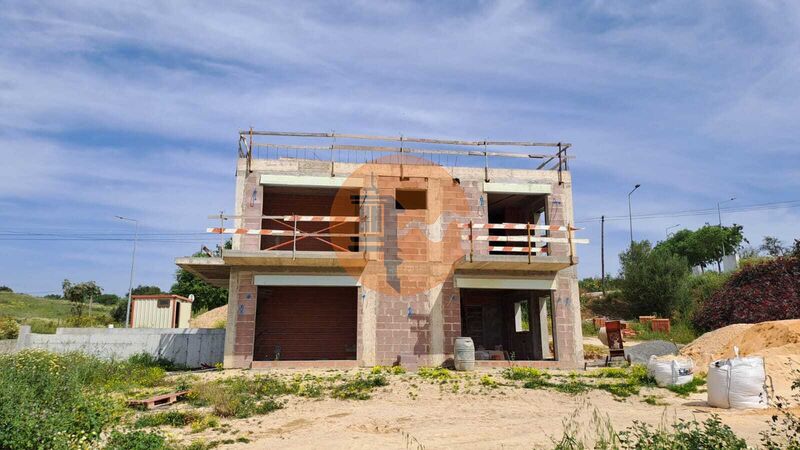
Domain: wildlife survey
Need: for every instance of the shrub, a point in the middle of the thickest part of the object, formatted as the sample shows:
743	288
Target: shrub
757	293
92	321
653	280
701	288
613	304
6	289
9	329
136	440
41	326
45	403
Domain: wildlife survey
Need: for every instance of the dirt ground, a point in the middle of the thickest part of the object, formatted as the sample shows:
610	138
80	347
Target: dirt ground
413	413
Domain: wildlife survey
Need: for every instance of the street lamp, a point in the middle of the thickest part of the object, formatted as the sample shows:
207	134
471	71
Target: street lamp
133	261
719	211
630	216
719	216
669	228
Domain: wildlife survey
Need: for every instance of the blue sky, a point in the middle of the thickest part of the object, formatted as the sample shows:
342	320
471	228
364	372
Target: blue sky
119	109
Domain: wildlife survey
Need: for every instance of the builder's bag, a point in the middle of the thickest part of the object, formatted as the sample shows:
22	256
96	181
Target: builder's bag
670	370
738	383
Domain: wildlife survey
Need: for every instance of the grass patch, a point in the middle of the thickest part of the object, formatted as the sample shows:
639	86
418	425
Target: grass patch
393	370
136	440
358	388
23	307
619	382
524	373
435	373
691	387
591	351
240	396
488	381
681	332
50	400
171	418
655	400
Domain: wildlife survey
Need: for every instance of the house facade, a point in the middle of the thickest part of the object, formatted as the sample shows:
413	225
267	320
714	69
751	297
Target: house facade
360	255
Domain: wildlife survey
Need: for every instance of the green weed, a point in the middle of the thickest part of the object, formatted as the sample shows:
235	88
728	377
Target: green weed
358	388
435	373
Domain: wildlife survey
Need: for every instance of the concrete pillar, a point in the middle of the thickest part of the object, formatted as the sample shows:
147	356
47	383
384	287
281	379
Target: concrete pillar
229	360
436	325
367	353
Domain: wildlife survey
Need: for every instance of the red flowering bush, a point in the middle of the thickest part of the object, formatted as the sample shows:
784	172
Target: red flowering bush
757	293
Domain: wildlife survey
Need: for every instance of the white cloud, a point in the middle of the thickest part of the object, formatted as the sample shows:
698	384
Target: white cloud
691	100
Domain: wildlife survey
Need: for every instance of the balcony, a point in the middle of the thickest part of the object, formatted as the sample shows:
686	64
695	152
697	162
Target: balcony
519	247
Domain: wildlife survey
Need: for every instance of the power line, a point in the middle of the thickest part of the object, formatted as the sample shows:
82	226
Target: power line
701	212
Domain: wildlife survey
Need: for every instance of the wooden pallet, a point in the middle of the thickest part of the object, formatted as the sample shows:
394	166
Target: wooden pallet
158	400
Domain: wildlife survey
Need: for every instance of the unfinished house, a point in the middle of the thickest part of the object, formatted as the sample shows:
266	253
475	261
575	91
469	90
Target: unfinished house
352	250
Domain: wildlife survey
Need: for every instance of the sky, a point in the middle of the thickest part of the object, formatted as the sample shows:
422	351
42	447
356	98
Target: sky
115	108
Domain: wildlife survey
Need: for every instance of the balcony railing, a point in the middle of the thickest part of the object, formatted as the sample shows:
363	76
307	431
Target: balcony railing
533	243
291	228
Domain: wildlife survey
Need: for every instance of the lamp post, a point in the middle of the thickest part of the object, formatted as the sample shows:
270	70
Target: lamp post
669	228
719	216
133	261
630	216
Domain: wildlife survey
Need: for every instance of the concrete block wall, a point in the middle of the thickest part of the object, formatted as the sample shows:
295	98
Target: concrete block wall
190	347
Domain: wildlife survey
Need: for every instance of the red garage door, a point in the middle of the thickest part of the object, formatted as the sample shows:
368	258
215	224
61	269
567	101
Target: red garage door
305	323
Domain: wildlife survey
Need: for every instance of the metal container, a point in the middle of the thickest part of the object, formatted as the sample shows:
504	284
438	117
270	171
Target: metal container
464	354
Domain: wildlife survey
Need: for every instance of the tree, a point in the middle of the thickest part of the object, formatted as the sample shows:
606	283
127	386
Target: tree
654	280
146	290
796	249
108	299
773	246
79	294
704	245
6	289
205	296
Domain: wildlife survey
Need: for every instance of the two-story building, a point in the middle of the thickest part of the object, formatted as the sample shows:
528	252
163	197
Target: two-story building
347	254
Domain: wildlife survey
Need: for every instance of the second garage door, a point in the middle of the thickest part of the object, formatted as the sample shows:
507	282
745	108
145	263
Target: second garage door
305	323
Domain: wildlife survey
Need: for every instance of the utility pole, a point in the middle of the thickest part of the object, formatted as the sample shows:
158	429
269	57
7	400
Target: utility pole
133	261
603	254
719	215
630	215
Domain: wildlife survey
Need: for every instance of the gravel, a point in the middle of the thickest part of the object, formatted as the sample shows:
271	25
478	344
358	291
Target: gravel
641	353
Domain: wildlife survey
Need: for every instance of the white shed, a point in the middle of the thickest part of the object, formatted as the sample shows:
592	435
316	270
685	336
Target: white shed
160	311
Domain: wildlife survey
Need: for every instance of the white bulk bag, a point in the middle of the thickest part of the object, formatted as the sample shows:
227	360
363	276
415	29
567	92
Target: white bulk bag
737	383
670	370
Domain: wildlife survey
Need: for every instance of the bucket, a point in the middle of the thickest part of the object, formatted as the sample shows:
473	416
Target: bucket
464	357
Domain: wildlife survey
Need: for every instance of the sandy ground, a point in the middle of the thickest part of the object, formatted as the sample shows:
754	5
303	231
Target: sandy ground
412	413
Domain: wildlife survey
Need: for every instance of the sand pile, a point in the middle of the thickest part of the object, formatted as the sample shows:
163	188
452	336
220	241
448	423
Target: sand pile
778	342
210	319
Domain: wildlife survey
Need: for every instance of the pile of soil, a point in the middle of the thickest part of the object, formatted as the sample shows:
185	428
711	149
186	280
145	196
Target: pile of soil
778	342
210	319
